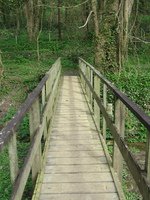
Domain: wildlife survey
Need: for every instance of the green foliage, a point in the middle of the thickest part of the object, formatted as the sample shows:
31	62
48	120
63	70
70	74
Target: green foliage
133	196
134	81
9	115
23	133
144	21
5	182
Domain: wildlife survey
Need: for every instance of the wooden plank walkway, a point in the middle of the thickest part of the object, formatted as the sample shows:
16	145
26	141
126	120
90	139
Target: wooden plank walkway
76	167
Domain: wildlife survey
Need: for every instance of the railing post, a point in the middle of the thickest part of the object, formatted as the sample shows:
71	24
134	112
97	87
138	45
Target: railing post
84	72
49	85
104	104
147	160
43	105
92	84
87	87
120	124
13	158
96	107
34	116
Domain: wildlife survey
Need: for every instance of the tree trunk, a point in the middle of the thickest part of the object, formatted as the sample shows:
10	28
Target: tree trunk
85	14
59	22
1	65
99	53
37	19
128	4
32	11
124	12
5	10
28	11
120	54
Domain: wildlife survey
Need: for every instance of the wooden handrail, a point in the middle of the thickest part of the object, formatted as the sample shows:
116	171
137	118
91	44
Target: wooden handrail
91	84
140	114
40	105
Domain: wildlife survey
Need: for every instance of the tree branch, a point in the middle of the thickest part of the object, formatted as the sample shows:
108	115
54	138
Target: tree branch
146	42
86	20
64	6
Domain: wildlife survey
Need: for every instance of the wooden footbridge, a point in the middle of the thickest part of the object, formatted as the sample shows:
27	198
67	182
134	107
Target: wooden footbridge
68	156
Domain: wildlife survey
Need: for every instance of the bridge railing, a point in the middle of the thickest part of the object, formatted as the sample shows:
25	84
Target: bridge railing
39	106
96	87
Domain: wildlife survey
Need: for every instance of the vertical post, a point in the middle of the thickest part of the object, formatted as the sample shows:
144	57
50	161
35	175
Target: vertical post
43	104
13	158
34	116
43	96
87	87
49	90
105	104
147	160
92	84
120	124
84	72
96	107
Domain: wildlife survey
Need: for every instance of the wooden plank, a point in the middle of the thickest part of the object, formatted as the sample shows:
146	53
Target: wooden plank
120	123
147	160
103	196
77	188
105	105
78	178
96	107
34	118
65	169
13	159
77	154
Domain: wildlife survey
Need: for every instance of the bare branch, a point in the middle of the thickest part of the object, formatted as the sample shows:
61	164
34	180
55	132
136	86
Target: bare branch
86	20
64	6
145	42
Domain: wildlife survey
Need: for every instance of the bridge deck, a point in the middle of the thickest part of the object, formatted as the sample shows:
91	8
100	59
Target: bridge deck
76	166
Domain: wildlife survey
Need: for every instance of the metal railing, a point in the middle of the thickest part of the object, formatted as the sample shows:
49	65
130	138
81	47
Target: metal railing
40	107
96	87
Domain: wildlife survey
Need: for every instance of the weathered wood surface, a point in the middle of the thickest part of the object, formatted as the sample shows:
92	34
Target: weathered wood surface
76	166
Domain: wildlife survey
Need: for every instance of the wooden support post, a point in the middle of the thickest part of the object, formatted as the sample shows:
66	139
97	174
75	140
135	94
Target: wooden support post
49	89
84	72
82	68
13	158
120	124
43	96
34	116
105	104
92	84
96	107
87	87
147	160
43	105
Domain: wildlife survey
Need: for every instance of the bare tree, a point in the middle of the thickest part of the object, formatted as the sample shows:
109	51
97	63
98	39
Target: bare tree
99	53
1	65
32	11
59	22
